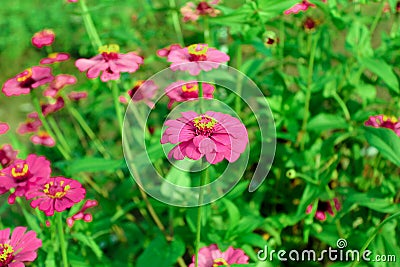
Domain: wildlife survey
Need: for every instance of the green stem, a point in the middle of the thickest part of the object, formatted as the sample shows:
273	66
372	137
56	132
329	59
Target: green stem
281	43
117	104
62	240
306	115
175	21
371	238
207	35
377	18
59	134
238	100
46	126
204	178
89	25
342	105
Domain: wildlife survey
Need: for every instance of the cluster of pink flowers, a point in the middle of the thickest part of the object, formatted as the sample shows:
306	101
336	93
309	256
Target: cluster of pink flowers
30	178
323	208
182	91
383	121
212	256
19	248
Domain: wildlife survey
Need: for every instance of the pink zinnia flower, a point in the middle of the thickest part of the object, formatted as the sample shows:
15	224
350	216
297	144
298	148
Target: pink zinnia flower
54	106
55	194
20	248
164	52
7	155
31	125
54	57
191	12
59	82
383	121
22	174
43	138
213	134
27	80
181	91
303	6
211	256
197	57
323	208
75	96
81	215
110	63
4	127
141	91
43	38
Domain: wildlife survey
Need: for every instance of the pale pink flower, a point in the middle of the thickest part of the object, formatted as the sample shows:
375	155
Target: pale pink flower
181	91
59	82
20	248
7	155
76	96
195	58
4	128
211	256
110	63
213	135
43	138
43	38
192	12
53	106
383	121
31	125
164	52
27	80
55	57
55	194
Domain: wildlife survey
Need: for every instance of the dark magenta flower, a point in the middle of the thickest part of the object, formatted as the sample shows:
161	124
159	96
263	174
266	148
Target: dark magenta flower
27	80
43	38
55	194
181	91
200	56
43	138
59	82
53	106
20	248
54	57
4	127
81	214
383	121
211	256
303	6
323	208
31	125
22	174
7	155
213	135
110	63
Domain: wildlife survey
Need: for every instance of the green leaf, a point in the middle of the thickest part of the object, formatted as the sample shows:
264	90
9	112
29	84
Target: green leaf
238	16
386	141
90	165
161	253
89	242
233	211
324	121
383	70
269	9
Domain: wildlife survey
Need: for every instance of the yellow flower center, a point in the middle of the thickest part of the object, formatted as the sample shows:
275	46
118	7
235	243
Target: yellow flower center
204	125
53	55
392	118
19	170
190	87
108	49
219	262
198	49
6	254
25	75
54	190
